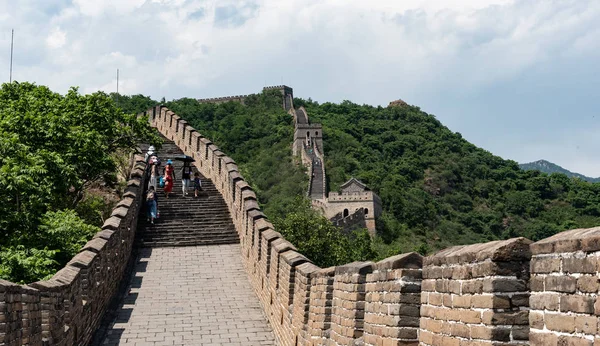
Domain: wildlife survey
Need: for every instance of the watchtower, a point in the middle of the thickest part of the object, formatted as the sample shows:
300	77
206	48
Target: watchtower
288	95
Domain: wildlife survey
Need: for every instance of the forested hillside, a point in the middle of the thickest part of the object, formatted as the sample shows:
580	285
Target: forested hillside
549	167
62	158
437	189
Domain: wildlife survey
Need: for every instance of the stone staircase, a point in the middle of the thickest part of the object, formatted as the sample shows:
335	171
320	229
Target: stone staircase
301	117
185	220
316	187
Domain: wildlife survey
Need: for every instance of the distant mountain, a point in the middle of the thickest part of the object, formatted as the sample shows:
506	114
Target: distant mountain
549	167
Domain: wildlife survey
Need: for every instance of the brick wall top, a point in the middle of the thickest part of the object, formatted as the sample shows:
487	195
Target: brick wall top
410	260
501	250
587	240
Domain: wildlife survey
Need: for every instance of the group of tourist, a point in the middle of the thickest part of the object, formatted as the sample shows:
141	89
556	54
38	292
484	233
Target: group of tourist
166	181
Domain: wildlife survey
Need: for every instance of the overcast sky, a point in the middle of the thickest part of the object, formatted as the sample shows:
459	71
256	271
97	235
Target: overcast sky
518	78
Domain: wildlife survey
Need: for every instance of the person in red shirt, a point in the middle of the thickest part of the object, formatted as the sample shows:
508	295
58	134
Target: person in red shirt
169	179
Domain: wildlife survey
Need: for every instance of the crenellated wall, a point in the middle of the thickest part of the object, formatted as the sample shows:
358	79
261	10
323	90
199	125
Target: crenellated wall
477	293
305	304
67	309
565	304
466	295
473	295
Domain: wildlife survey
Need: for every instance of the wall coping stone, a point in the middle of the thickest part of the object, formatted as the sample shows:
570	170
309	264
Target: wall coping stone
271	234
411	260
307	269
498	251
96	244
294	258
83	259
329	271
120	212
125	202
112	223
281	245
355	268
584	239
104	234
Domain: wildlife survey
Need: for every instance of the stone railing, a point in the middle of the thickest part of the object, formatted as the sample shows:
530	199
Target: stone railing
67	309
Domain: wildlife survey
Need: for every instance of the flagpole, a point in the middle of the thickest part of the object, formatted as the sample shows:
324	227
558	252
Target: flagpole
12	38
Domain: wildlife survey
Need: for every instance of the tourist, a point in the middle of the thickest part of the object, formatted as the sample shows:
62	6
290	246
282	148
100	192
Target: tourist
197	184
150	153
186	173
169	179
151	204
153	175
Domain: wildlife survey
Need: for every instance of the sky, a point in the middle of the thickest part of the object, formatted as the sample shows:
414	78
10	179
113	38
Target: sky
520	79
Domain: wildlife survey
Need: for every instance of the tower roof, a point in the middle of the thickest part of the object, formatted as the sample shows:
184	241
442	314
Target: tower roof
354	184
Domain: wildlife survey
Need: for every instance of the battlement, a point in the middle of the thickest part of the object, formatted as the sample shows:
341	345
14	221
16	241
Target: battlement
504	293
237	98
285	88
309	126
351	196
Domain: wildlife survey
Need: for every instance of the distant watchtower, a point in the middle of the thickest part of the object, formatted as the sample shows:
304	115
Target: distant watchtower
288	95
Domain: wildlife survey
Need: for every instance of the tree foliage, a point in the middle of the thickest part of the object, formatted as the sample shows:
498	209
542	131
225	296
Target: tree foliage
52	148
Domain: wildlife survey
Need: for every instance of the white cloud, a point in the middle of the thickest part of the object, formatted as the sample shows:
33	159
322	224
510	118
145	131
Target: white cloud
95	8
56	39
428	52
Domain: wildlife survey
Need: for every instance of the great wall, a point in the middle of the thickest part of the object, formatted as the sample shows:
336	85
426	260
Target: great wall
509	292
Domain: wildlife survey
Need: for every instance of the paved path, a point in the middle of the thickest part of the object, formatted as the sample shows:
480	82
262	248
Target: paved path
195	295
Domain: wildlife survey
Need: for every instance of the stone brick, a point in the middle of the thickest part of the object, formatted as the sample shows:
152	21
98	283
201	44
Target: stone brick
564	340
542	339
577	303
580	265
545	265
536	319
541	301
588	284
586	324
560	322
567	284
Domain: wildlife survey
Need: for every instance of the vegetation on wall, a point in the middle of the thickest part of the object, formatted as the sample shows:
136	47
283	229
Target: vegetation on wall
54	151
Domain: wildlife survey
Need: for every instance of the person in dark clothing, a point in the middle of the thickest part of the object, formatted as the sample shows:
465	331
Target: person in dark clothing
197	184
186	173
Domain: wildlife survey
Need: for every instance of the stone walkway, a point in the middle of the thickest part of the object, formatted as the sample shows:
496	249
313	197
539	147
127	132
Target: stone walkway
196	295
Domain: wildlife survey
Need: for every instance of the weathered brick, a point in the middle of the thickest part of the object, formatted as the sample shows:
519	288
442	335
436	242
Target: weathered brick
577	303
580	265
541	301
567	284
545	265
560	322
588	284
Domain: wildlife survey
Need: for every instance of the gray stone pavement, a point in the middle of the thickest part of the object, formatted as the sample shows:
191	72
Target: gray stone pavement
197	295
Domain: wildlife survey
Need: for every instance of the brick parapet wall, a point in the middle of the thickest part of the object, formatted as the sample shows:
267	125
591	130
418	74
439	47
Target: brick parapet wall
564	289
67	308
476	293
393	301
482	288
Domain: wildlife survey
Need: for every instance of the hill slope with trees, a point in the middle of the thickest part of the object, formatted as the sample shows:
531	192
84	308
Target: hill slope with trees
549	167
437	188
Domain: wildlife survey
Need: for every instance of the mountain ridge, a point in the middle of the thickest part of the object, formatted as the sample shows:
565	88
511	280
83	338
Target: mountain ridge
546	166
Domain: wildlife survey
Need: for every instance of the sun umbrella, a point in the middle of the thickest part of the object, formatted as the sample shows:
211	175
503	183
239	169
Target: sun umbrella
184	158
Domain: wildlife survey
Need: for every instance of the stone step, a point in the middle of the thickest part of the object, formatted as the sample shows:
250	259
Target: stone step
186	220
